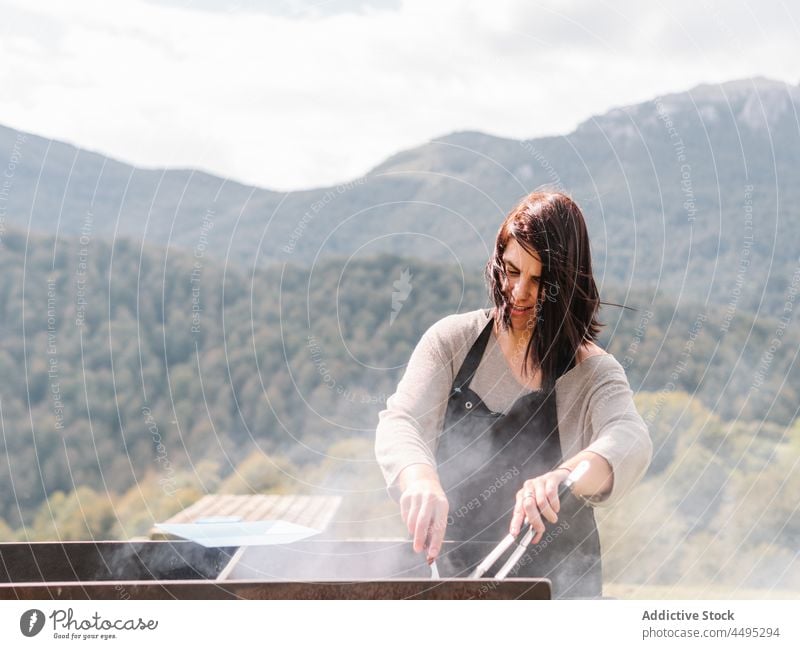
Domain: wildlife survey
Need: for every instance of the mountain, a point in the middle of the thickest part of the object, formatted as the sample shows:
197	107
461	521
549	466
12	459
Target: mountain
150	358
152	385
692	194
250	343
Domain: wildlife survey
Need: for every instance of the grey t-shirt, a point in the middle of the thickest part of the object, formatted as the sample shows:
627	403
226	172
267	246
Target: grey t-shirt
594	402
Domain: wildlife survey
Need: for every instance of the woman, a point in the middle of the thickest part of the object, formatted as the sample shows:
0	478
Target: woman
497	406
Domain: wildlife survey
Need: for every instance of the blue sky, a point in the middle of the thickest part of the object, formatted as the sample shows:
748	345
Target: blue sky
295	94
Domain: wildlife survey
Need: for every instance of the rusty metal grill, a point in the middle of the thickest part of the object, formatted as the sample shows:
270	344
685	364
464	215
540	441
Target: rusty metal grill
183	570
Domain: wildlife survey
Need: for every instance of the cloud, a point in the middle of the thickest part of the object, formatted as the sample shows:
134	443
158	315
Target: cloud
285	8
311	94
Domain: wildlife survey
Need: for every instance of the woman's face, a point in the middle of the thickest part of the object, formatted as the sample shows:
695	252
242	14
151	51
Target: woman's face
524	272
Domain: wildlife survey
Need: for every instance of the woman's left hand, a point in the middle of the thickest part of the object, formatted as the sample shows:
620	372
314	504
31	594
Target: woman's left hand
538	499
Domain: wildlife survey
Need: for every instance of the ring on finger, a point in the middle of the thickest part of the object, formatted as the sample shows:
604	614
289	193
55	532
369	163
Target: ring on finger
527	494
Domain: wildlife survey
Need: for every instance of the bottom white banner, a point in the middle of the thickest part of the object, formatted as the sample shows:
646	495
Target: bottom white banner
398	624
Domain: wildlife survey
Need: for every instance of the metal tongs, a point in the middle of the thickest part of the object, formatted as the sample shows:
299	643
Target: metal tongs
526	539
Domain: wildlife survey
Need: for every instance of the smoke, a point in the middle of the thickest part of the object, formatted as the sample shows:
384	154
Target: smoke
313	560
155	560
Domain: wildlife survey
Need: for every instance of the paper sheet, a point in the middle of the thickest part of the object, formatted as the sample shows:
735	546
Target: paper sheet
227	531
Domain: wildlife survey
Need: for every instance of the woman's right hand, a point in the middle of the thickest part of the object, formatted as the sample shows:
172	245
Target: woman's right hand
424	508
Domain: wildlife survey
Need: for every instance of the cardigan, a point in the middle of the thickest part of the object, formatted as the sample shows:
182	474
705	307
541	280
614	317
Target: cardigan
593	399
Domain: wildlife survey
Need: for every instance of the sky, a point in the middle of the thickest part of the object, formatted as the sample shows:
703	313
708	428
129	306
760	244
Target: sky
297	94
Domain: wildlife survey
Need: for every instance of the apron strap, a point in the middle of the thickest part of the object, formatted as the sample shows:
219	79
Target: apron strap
473	359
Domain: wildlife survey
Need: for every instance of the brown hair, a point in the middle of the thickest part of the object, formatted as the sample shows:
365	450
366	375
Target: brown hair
550	225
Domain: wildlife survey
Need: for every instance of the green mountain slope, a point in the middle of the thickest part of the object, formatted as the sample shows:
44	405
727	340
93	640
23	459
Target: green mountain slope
681	193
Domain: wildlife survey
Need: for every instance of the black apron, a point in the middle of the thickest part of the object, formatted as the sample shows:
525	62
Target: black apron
483	458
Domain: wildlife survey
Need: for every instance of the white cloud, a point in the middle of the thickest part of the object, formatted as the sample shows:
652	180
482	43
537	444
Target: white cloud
313	97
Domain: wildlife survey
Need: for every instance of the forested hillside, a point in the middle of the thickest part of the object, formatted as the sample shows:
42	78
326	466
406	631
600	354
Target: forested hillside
135	380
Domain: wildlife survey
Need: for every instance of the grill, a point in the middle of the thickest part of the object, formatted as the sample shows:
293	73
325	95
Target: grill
311	569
